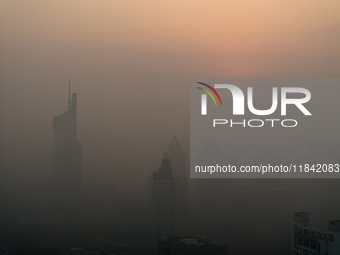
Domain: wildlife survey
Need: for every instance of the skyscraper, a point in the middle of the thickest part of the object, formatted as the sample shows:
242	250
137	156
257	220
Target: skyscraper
164	202
178	158
179	170
67	162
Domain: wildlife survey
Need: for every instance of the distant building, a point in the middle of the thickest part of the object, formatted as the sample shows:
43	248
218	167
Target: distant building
164	202
308	240
180	171
178	158
67	162
190	246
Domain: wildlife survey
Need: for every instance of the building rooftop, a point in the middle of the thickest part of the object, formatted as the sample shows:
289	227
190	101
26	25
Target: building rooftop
301	213
195	241
334	225
191	245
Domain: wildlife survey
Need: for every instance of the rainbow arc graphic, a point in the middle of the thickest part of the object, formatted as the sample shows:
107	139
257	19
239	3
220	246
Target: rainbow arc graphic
209	93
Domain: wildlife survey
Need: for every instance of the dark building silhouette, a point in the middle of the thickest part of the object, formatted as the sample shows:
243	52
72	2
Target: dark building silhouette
164	202
167	193
186	245
67	162
177	157
180	172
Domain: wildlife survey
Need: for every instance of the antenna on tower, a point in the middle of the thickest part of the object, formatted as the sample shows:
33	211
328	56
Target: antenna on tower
69	94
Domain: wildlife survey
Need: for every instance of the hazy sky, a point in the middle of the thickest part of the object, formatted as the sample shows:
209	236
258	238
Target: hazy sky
131	62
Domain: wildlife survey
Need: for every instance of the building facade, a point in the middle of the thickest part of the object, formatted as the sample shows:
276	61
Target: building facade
164	202
67	163
308	240
180	171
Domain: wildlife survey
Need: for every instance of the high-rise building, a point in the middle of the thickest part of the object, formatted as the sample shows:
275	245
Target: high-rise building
67	162
164	202
190	246
312	241
180	171
178	158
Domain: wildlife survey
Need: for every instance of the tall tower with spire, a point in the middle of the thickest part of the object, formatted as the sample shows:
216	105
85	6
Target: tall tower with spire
67	160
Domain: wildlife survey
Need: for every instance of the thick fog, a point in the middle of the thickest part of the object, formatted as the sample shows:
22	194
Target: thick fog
130	64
